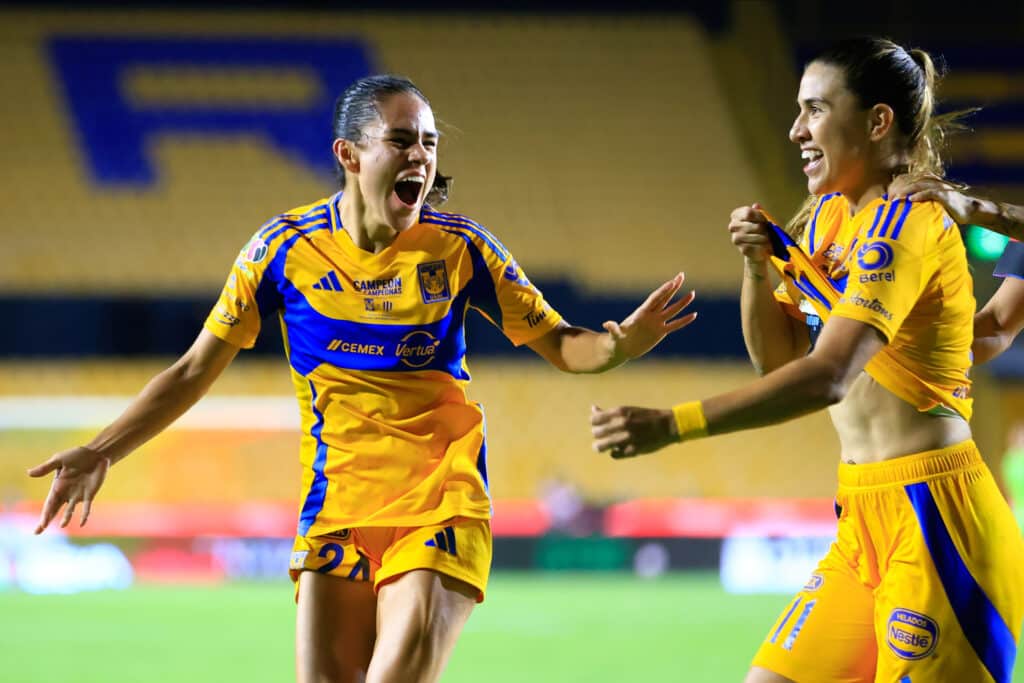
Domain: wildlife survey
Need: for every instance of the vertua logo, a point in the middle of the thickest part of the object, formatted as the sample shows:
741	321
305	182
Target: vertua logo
417	349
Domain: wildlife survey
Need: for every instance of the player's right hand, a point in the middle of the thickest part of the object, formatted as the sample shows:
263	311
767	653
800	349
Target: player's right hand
748	229
79	473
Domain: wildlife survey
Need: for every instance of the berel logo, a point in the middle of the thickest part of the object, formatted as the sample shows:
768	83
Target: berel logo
875	256
911	635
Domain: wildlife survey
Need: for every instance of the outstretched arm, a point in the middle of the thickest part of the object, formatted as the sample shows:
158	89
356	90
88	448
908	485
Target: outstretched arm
579	350
80	471
803	386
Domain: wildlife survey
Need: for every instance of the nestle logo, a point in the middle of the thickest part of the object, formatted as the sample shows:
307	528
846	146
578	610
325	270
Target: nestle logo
911	635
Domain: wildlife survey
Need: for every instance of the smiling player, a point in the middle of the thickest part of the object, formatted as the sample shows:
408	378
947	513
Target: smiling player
925	581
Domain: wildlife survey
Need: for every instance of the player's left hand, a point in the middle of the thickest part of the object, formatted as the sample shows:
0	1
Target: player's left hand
628	431
652	321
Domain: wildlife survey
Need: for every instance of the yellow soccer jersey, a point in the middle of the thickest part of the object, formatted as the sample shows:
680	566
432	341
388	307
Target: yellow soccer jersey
901	268
377	353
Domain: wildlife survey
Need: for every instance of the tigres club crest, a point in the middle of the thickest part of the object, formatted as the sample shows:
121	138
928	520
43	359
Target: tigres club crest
433	282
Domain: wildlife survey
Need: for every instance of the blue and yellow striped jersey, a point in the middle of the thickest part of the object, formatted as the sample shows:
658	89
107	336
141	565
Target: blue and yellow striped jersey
901	268
377	353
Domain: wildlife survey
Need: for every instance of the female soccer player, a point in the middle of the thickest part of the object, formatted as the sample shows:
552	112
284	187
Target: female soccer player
925	581
372	285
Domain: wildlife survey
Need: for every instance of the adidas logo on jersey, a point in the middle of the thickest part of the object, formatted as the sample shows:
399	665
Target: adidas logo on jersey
329	283
443	540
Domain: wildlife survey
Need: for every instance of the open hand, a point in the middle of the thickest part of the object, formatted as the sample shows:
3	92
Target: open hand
628	431
652	321
80	472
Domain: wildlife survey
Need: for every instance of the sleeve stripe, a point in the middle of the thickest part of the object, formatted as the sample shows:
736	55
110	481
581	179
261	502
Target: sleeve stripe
503	255
454	220
899	223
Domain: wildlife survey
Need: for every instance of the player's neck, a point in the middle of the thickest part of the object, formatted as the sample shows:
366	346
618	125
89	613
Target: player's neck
368	232
876	183
863	196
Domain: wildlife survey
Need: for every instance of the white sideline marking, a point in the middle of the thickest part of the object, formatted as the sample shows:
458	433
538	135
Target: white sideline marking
259	413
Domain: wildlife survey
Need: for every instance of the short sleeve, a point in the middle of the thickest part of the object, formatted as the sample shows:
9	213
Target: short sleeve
1011	263
249	295
890	268
525	314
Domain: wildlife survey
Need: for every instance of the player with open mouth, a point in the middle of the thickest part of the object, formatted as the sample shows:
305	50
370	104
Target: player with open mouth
371	285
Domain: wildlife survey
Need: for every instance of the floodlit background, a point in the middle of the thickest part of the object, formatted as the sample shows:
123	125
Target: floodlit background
604	146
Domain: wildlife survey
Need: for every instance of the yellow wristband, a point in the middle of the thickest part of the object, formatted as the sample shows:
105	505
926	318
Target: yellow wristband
690	420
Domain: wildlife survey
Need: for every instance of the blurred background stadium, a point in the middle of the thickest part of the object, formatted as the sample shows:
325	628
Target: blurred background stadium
606	146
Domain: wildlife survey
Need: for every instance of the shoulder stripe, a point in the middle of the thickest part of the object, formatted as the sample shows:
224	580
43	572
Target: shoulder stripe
312	217
899	223
889	216
455	220
496	248
474	227
284	226
814	220
874	224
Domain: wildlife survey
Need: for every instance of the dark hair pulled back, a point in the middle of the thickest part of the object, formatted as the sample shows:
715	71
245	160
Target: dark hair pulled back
356	108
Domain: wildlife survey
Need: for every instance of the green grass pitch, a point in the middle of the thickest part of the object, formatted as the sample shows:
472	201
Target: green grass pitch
533	627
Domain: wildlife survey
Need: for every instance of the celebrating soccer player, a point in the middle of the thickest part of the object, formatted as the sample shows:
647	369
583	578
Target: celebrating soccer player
393	547
925	581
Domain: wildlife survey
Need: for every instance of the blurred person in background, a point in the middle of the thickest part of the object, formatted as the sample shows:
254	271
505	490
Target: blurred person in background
393	547
925	581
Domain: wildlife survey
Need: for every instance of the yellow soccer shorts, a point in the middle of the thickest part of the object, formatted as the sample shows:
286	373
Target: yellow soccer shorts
924	583
458	547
